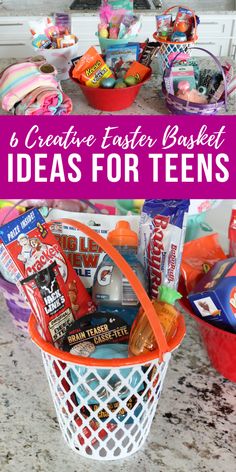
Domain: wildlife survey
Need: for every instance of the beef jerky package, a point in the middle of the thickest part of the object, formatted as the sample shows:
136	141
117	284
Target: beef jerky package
48	297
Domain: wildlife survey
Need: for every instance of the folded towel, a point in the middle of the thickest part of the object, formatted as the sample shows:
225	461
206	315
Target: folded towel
44	101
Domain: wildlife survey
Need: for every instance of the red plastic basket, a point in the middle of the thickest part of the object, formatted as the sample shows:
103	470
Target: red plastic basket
220	345
110	99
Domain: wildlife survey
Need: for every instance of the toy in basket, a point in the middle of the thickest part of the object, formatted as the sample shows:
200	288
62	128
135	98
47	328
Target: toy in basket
175	36
188	91
131	385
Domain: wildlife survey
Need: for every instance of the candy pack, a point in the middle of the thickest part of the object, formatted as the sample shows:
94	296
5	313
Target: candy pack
91	69
214	297
28	246
84	254
161	237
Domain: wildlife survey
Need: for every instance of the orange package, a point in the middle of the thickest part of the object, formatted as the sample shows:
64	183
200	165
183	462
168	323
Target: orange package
199	256
91	69
137	70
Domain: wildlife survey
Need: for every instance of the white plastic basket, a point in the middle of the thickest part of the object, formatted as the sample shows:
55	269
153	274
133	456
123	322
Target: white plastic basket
105	408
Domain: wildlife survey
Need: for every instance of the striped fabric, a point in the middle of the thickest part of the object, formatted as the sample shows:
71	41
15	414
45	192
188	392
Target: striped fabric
19	80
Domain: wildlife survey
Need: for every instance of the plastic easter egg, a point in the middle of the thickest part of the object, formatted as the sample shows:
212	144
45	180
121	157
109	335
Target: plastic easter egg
120	84
130	80
182	27
103	33
108	83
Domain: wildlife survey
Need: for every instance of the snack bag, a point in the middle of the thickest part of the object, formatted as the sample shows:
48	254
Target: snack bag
199	256
161	237
163	21
137	70
183	21
91	69
29	246
48	297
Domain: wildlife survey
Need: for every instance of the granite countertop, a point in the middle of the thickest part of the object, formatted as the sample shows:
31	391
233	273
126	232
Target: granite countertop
150	100
194	427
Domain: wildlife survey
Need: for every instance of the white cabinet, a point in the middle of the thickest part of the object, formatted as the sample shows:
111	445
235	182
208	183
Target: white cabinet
15	37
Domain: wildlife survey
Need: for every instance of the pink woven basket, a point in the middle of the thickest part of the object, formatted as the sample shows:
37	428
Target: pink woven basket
178	106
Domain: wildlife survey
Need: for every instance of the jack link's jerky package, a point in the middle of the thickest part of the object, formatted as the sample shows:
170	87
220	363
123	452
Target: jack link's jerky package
161	238
83	253
27	246
49	299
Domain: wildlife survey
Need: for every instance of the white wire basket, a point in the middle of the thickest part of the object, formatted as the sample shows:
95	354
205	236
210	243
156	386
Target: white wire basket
105	408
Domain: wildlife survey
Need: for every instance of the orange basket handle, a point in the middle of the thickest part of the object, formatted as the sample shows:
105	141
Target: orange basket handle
192	11
131	277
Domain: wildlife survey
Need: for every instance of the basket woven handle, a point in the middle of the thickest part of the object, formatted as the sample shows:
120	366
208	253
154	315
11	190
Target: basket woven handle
131	277
192	11
218	65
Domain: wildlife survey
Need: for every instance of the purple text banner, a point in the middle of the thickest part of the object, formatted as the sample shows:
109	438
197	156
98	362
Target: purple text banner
118	157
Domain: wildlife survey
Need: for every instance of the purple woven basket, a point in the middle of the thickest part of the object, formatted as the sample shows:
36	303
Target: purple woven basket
17	306
178	106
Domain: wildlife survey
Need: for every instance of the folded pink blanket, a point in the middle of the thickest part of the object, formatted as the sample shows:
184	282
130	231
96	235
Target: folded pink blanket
27	91
44	101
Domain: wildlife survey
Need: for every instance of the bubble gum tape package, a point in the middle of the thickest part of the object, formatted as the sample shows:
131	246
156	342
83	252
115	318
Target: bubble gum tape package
31	246
91	69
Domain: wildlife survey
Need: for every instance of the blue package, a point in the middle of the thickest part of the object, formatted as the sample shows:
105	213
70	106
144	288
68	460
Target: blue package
121	57
214	297
161	238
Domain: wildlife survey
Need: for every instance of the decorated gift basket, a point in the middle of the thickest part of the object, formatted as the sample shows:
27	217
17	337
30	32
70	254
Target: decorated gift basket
179	105
169	47
105	408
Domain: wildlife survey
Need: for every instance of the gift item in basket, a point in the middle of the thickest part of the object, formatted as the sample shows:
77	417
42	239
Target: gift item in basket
84	254
31	246
120	58
18	308
91	69
179	41
47	35
196	101
90	331
50	301
161	238
111	290
133	385
214	297
199	256
142	338
148	53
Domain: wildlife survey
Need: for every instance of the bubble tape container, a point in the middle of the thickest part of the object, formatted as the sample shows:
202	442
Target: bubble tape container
126	391
220	345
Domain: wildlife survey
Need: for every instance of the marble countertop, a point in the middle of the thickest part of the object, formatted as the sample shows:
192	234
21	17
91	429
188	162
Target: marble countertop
150	100
194	427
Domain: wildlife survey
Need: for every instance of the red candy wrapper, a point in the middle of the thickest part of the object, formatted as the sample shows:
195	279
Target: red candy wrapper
48	297
29	243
